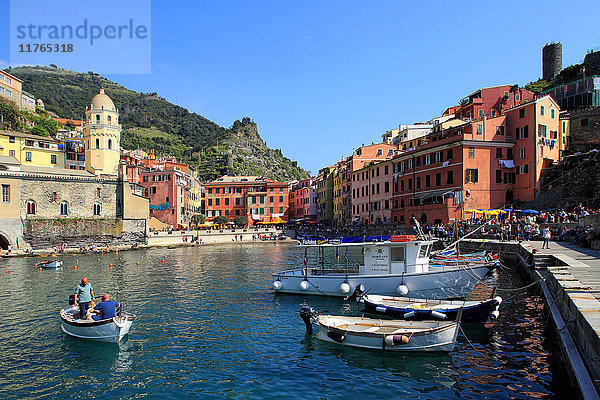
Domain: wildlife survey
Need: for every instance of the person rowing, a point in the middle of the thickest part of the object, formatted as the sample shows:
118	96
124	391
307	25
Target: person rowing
106	309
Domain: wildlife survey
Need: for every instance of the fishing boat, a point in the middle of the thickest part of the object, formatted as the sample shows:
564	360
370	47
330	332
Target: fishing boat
49	264
426	309
388	335
110	330
395	267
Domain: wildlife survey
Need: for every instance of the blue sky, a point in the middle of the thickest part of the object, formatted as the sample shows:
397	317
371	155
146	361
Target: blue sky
321	78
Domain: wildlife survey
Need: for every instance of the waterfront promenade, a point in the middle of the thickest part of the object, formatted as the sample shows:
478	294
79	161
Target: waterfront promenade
584	263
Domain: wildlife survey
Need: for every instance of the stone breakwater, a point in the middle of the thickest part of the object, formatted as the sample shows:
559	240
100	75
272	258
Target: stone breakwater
155	239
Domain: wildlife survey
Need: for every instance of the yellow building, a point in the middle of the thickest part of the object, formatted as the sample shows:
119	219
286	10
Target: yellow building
325	195
102	135
32	149
195	194
338	189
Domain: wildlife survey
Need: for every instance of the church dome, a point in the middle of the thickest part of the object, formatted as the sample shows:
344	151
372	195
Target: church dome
102	102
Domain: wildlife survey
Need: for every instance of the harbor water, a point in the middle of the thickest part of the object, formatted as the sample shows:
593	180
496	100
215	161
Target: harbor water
209	327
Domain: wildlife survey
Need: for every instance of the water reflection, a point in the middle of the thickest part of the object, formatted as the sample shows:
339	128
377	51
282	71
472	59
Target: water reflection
209	327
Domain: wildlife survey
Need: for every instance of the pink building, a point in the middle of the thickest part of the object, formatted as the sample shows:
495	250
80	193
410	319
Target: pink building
303	200
372	193
492	101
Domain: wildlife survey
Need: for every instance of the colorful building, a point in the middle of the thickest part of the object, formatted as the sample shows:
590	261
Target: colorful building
538	143
32	149
258	198
37	188
167	192
492	101
303	200
337	194
486	163
372	193
11	88
325	194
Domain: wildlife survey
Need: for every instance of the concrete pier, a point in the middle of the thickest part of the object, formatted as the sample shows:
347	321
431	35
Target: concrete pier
568	276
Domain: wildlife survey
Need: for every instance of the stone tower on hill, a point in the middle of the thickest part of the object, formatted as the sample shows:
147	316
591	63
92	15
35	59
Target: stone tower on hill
551	60
102	134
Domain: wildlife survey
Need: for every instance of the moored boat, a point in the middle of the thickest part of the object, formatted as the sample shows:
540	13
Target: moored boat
395	267
107	330
47	264
388	335
426	309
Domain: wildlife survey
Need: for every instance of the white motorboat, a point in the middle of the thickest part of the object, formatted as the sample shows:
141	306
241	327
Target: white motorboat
395	267
108	330
55	264
388	335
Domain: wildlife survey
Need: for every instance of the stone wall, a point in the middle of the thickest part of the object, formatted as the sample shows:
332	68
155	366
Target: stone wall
585	129
80	195
12	230
45	233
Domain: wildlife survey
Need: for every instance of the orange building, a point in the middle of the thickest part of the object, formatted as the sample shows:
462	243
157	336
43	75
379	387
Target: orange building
257	198
11	88
481	164
538	136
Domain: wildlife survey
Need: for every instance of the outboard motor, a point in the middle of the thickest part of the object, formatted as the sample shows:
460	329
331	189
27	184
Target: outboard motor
306	313
71	299
359	290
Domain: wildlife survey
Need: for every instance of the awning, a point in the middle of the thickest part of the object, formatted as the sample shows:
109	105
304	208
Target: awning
506	163
433	193
256	217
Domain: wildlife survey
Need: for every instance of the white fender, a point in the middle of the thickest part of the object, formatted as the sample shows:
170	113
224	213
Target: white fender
345	288
402	290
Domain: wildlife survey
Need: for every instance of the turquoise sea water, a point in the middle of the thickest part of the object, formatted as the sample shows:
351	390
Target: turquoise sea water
210	328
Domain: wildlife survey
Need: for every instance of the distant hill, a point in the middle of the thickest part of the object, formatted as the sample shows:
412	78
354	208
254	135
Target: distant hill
152	123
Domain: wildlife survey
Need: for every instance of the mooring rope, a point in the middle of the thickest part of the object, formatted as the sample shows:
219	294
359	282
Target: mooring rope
471	344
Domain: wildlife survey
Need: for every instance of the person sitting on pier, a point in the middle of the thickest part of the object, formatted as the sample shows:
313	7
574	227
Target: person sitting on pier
106	309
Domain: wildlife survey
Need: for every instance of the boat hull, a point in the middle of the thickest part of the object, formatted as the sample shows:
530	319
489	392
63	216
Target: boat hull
421	309
51	265
109	330
438	283
380	334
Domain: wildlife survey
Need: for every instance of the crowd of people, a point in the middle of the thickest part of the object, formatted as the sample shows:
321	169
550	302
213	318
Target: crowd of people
557	224
551	224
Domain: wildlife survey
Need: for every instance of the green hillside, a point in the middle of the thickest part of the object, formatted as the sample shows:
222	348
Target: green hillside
152	123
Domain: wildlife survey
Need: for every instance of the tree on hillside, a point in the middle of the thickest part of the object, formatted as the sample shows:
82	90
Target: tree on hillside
9	116
44	127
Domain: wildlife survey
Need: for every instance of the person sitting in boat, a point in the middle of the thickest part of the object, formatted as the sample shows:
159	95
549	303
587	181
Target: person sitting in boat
84	294
106	309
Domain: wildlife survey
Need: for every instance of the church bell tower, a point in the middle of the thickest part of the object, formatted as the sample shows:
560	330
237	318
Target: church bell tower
102	134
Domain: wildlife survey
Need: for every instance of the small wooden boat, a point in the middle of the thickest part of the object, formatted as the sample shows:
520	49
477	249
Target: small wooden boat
388	335
49	264
426	309
107	330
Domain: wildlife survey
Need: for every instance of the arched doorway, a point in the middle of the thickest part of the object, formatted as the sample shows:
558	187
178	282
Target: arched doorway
423	218
509	196
4	243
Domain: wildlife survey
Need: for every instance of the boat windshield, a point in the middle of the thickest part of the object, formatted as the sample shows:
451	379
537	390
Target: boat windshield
424	251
